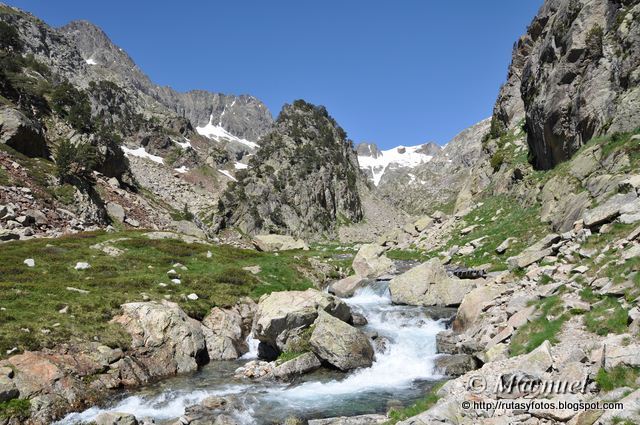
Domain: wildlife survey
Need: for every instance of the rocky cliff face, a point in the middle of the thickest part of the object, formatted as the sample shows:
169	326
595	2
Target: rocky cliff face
242	116
73	88
574	76
303	180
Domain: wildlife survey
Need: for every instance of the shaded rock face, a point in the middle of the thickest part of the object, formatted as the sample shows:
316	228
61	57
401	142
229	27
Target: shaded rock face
578	67
302	180
368	149
22	134
174	342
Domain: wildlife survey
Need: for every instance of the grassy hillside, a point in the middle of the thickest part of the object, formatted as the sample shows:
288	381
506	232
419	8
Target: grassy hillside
31	298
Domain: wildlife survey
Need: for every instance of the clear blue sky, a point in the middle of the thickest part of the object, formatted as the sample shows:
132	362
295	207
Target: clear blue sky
392	72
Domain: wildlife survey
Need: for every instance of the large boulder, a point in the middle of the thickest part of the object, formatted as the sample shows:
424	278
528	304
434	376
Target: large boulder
169	340
340	344
270	243
473	304
608	210
455	365
429	284
22	134
370	261
282	312
222	331
347	287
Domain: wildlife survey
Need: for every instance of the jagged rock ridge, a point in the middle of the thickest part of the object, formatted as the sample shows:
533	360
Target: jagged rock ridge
302	181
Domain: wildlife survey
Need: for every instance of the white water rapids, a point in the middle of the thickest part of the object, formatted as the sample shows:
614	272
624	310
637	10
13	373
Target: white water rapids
401	373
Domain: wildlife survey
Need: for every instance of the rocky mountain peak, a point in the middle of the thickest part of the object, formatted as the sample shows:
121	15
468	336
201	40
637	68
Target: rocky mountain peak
302	181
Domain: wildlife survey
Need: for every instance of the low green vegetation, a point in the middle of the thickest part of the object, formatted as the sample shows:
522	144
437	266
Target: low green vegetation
607	316
497	219
547	326
619	376
31	298
285	356
17	409
407	254
429	400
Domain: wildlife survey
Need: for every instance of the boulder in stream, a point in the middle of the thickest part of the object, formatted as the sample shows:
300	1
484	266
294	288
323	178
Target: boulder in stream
429	284
340	344
371	261
282	312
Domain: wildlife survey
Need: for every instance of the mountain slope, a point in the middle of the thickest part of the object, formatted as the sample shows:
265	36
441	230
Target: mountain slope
302	181
435	184
377	164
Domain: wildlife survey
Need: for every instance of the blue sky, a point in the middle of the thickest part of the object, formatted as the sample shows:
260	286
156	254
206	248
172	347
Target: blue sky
391	72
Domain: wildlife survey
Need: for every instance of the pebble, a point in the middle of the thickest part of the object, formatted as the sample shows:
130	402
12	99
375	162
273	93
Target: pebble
176	281
11	351
192	297
30	262
209	254
64	310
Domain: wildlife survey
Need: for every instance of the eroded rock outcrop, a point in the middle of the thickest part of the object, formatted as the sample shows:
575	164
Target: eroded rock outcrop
302	181
171	341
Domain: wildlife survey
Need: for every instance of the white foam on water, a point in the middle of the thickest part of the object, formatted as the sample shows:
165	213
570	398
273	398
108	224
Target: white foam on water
408	360
253	348
168	405
409	357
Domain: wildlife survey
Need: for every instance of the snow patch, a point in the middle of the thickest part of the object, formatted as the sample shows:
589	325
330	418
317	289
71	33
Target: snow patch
91	61
228	174
183	145
141	153
240	166
217	132
401	156
181	170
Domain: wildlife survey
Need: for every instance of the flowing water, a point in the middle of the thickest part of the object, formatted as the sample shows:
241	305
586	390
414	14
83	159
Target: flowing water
400	375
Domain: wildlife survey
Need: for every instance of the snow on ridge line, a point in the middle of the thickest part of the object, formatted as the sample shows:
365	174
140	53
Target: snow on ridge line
214	132
409	158
141	153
